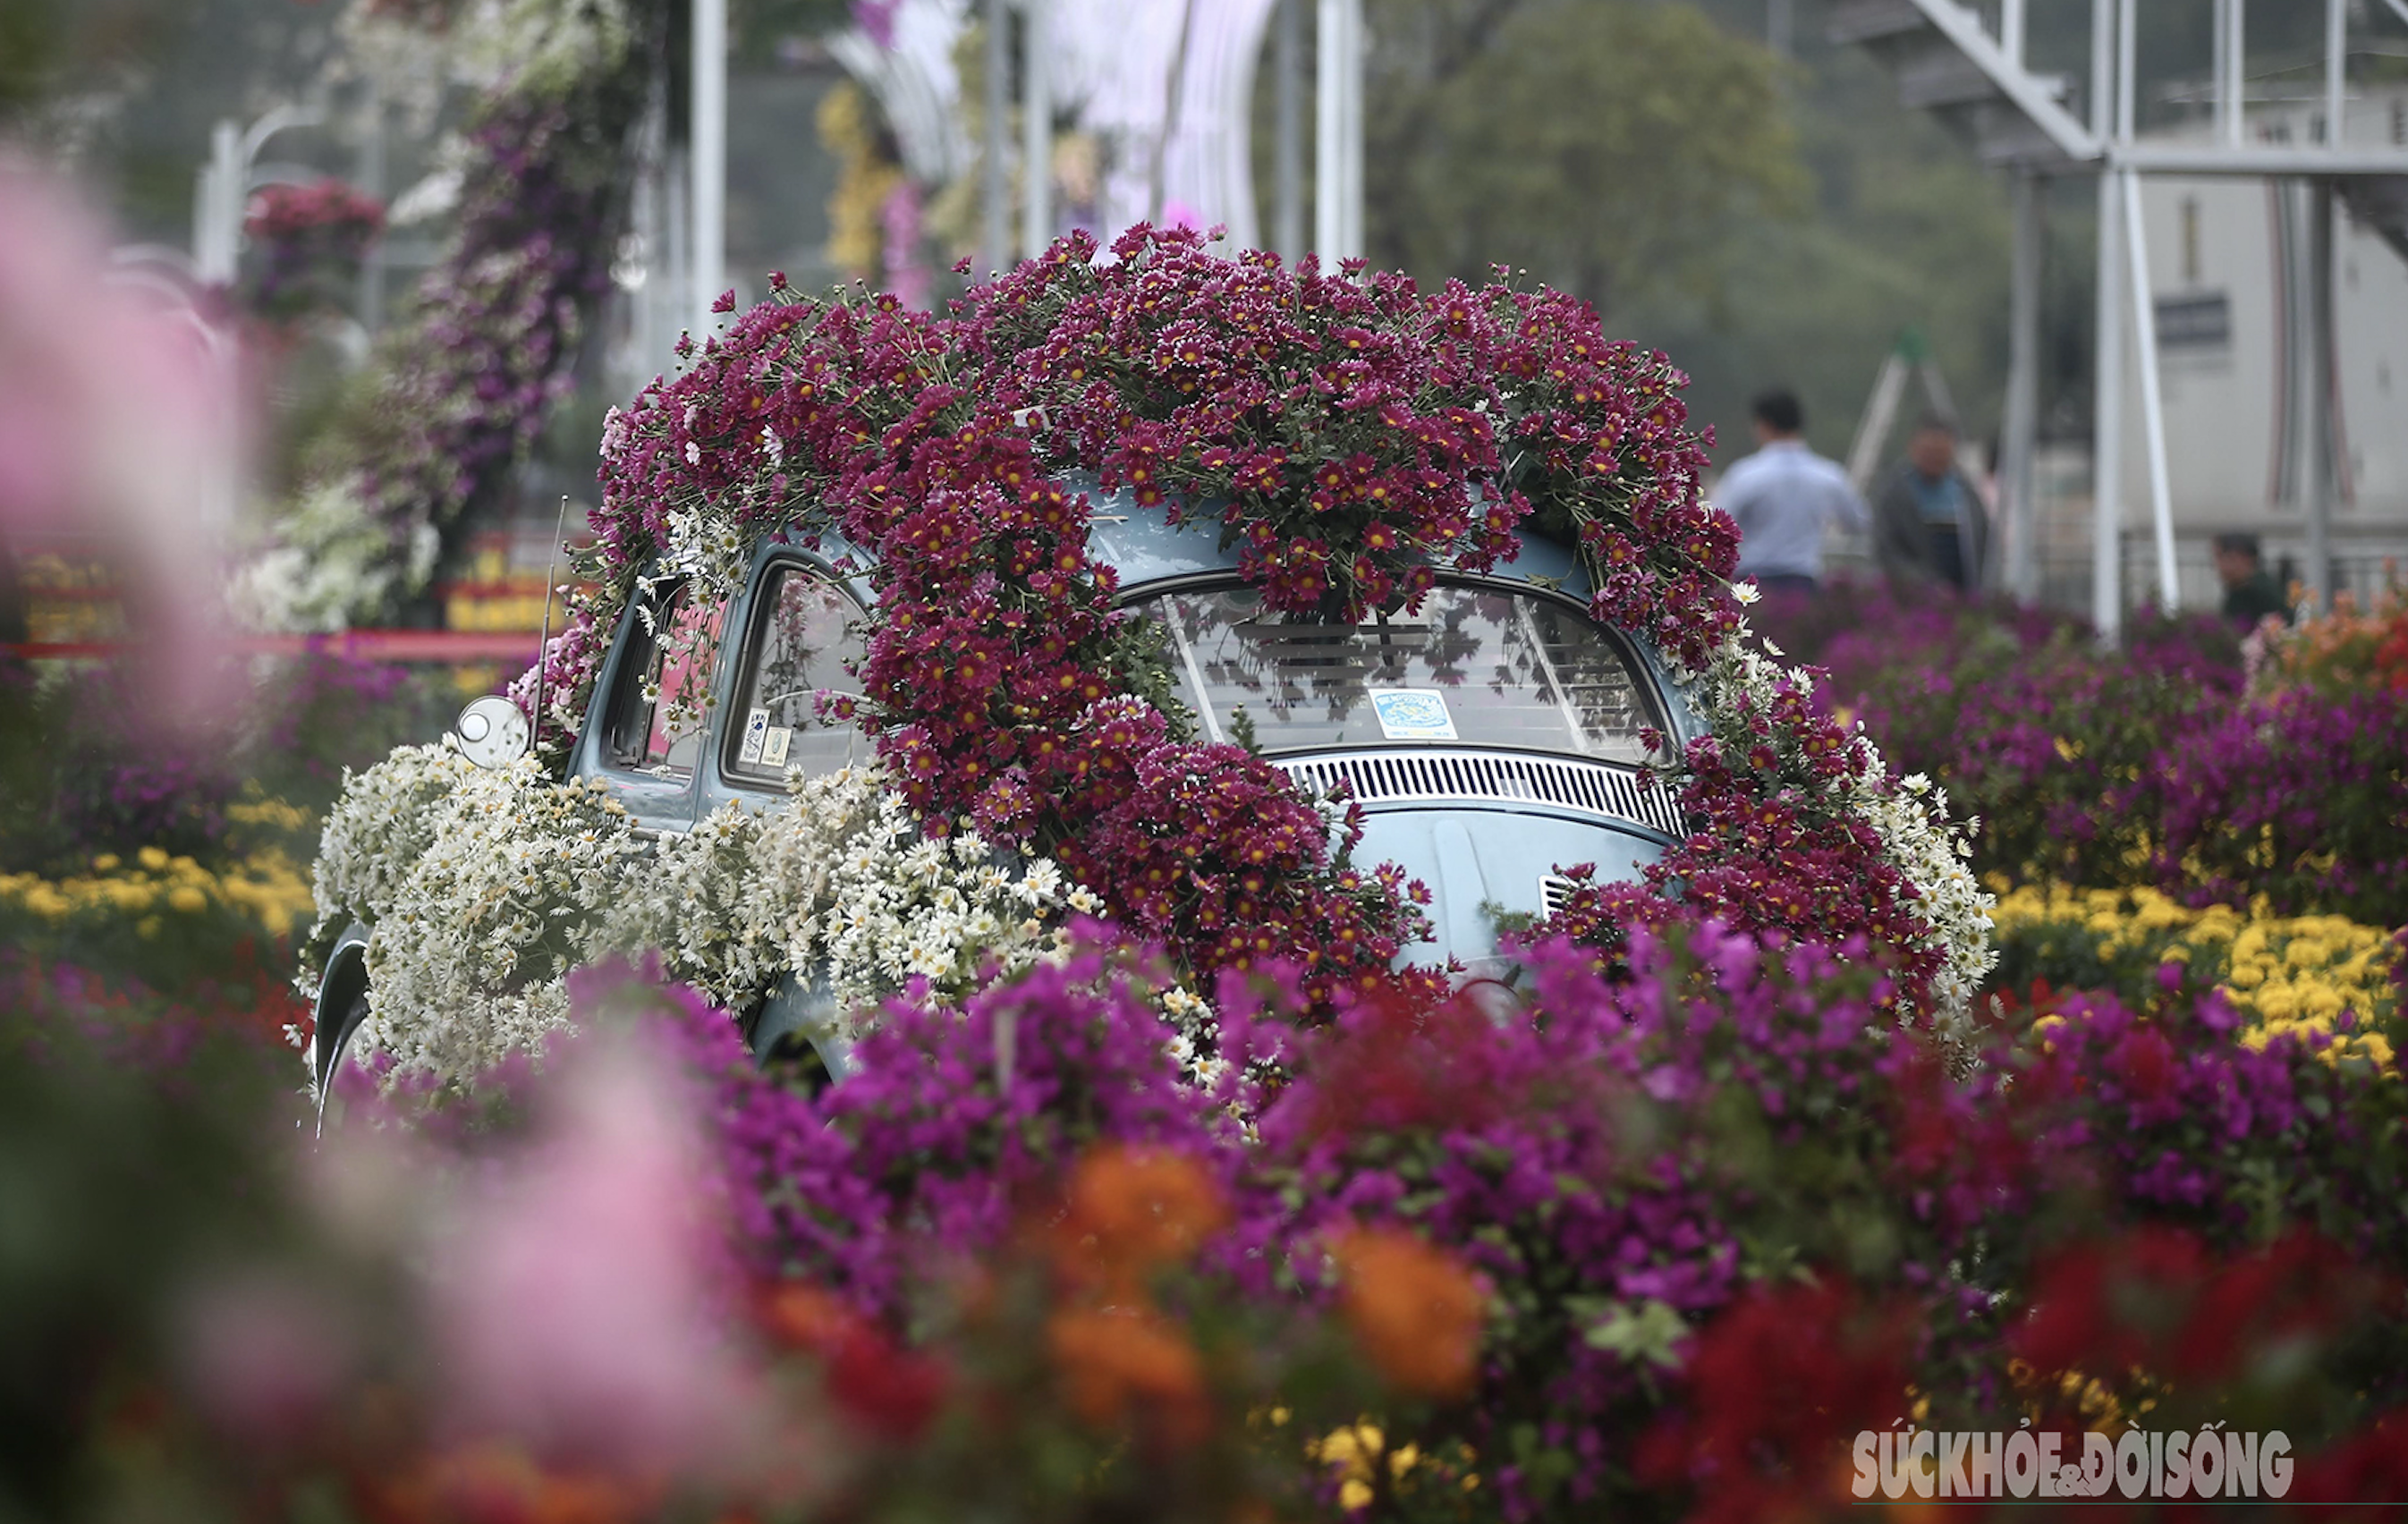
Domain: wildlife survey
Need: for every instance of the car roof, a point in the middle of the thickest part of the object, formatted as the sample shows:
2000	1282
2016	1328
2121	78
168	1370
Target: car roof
1144	547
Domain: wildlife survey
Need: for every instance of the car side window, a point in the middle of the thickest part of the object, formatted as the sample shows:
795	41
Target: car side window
805	638
659	714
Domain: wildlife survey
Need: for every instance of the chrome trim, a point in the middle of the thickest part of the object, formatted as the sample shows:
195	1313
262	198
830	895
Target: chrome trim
1439	774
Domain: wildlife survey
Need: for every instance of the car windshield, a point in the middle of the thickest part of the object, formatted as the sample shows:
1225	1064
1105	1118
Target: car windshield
805	630
1480	664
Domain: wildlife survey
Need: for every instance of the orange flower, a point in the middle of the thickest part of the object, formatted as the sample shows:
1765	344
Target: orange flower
1415	1310
1131	1212
803	1316
490	1483
1116	1365
891	1390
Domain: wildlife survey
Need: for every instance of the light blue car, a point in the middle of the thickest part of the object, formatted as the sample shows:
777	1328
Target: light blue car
1489	738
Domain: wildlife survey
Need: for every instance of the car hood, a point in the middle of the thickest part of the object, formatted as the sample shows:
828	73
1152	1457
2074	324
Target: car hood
1479	861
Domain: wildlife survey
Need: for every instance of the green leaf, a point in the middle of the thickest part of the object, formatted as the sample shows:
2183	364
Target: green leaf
1643	1335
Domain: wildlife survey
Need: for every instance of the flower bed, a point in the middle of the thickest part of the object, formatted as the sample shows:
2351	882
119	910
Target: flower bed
1659	1245
2148	765
2307	973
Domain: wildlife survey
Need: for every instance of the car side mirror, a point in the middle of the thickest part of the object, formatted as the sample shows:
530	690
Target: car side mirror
490	731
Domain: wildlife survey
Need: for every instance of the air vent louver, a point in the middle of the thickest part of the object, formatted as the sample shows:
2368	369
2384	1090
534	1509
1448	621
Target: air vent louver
1381	778
1556	891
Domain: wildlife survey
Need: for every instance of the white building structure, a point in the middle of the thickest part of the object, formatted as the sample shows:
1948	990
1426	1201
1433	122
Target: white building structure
2229	264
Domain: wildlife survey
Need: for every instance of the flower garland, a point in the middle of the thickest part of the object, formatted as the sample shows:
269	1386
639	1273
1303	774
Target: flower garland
1801	829
312	239
483	887
1351	434
466	379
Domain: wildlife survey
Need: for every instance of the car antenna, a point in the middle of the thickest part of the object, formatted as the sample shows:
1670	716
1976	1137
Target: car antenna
543	649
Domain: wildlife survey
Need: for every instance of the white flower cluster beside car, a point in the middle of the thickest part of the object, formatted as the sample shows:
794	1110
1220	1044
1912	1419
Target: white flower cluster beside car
483	887
1908	816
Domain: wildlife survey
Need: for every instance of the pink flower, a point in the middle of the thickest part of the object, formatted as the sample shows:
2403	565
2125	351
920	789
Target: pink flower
575	1290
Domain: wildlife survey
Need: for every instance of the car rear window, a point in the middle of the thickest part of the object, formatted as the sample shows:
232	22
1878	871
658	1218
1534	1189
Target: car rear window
1479	665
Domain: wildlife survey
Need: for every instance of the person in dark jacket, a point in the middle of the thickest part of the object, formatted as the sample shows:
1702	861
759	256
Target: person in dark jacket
2249	593
1928	523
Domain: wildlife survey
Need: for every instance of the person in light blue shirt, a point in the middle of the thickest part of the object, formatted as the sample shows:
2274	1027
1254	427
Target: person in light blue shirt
1783	497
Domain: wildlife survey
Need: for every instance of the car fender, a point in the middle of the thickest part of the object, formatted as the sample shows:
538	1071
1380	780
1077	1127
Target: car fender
333	1019
806	1009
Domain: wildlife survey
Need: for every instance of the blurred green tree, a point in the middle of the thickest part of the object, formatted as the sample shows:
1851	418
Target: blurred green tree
1603	144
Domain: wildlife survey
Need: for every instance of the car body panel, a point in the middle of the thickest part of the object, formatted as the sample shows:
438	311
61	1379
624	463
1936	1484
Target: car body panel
1482	861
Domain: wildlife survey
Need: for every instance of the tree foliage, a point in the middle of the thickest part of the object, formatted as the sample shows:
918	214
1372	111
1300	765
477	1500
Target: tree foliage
1603	144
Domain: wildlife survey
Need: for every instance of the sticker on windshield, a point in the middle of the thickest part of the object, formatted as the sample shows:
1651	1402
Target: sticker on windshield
756	730
773	745
1413	714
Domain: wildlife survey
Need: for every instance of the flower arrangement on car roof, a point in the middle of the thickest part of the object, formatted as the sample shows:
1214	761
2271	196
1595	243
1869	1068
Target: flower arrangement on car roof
1351	434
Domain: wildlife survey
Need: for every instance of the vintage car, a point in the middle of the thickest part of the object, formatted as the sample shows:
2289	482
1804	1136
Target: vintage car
1489	738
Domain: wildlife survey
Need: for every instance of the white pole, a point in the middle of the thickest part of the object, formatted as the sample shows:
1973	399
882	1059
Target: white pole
2236	72
1353	140
2336	34
2321	468
2021	564
217	258
2107	450
710	166
995	232
1288	150
2107	428
1338	136
2126	55
2011	31
2153	412
2103	68
2220	64
1036	133
1328	122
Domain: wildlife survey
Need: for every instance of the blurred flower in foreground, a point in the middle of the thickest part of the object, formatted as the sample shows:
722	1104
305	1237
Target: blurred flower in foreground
1117	1362
266	1355
118	424
1132	1214
1416	1311
891	1391
577	1289
1132	1211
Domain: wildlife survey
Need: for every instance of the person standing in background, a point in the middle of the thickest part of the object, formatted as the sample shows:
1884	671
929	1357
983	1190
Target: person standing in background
2250	594
1782	498
1930	525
